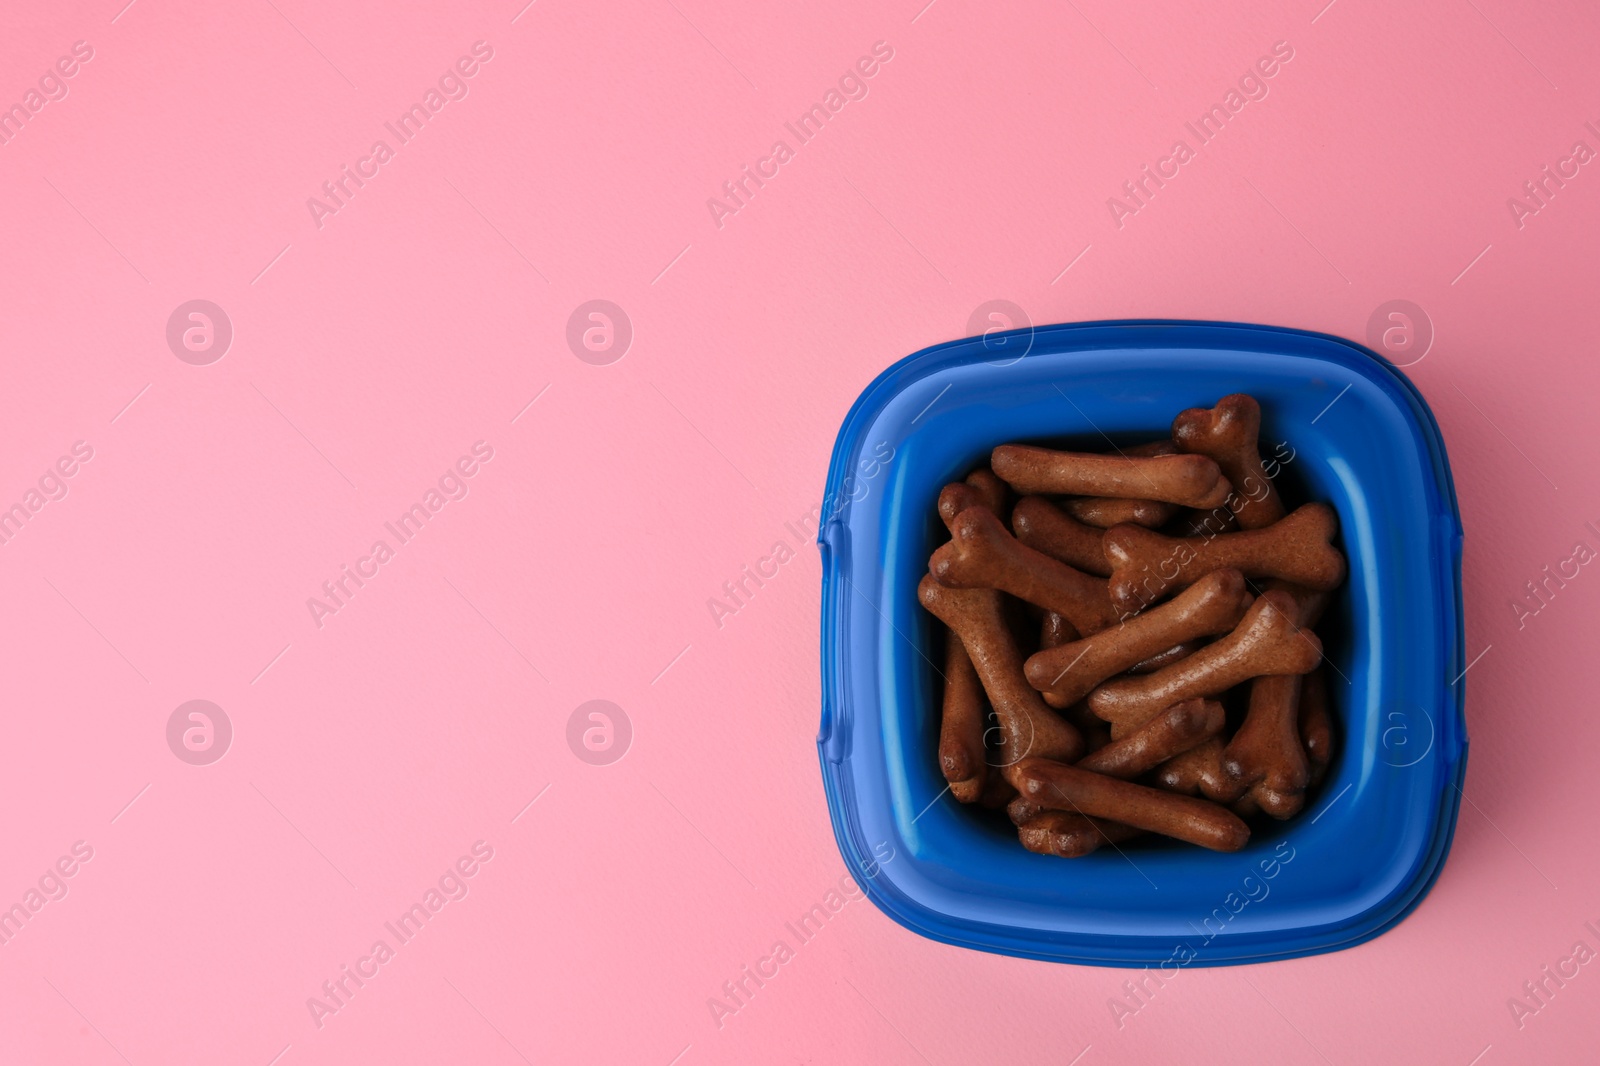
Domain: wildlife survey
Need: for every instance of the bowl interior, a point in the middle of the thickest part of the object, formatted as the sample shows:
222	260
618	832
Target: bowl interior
1368	841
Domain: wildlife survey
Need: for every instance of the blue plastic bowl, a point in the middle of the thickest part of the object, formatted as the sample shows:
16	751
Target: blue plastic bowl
1372	838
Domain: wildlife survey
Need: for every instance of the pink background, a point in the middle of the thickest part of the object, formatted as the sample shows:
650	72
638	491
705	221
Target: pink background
425	315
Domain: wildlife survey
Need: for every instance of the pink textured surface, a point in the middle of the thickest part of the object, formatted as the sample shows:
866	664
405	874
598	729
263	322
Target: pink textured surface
370	752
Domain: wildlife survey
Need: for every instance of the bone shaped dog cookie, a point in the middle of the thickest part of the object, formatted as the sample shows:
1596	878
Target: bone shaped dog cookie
1316	724
1198	771
1104	512
1162	659
976	617
1022	811
1170	733
980	489
1064	787
961	726
961	753
1266	754
1055	631
1266	751
1228	433
1309	604
1147	566
981	554
1042	526
1210	606
1189	480
1193	523
1070	835
1266	641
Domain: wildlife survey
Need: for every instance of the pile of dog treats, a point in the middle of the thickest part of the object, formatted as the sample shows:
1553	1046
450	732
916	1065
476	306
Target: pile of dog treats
1131	645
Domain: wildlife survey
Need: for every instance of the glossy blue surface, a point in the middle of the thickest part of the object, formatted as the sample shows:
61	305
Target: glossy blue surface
1372	838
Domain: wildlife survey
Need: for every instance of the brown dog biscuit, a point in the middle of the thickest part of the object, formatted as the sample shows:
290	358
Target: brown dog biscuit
997	791
981	554
1267	754
1062	787
961	751
1053	833
1170	733
980	489
1266	750
975	615
1210	606
1104	512
1022	811
1044	527
990	489
955	498
1228	434
1162	659
1188	480
1281	805
1198	772
1309	604
1266	641
1316	724
1070	835
1147	566
1196	523
1055	631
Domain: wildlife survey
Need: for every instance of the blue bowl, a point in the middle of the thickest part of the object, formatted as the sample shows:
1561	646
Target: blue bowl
1349	430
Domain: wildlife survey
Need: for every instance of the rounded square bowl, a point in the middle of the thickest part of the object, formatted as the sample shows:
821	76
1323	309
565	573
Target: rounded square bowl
1372	838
